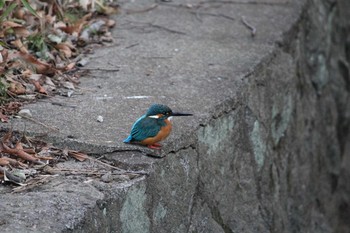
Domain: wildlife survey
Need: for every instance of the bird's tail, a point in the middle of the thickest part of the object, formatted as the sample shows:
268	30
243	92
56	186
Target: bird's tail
128	139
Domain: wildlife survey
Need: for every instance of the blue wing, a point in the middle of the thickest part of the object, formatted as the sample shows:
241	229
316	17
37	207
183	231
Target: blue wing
143	128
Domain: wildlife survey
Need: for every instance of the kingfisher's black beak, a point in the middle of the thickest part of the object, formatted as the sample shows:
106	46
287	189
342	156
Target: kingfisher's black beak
181	114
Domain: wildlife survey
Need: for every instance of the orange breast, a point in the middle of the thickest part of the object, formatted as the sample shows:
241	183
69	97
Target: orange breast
163	134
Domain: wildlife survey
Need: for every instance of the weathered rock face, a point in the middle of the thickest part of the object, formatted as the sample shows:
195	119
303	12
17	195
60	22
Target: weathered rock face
274	160
278	161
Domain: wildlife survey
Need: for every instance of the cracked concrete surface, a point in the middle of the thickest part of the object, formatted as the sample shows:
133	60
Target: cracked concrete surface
266	151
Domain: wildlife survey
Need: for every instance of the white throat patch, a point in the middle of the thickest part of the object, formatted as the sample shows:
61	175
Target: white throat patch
154	116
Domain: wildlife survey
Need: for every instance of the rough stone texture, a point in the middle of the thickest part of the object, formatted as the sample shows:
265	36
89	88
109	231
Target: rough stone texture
268	149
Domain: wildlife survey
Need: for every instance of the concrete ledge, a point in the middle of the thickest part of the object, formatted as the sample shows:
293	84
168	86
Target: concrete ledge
267	150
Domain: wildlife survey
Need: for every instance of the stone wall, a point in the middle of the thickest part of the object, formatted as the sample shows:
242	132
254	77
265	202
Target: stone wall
278	161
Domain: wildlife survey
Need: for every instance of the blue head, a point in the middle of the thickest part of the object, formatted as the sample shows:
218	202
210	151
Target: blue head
163	111
159	109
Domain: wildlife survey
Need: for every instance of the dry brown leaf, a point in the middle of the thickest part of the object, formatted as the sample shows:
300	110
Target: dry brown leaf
3	118
18	151
10	24
65	49
78	155
18	43
39	88
27	73
6	139
17	88
4	54
41	67
49	82
36	77
77	26
44	157
70	66
4	162
20	13
107	9
12	107
50	19
21	31
14	162
110	23
60	25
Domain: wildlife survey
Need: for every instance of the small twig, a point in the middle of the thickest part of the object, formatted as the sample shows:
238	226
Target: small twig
249	26
74	171
166	29
35	182
63	105
101	69
144	25
58	104
39	123
130	11
211	14
133	45
121	171
252	2
106	164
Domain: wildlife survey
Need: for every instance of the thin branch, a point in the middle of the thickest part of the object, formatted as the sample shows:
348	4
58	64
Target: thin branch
98	68
131	11
249	26
211	14
252	2
39	123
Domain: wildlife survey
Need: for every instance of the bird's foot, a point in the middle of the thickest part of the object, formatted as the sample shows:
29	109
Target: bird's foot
155	146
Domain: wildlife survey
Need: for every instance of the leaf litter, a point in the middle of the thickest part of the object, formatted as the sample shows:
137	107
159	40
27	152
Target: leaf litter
41	46
28	162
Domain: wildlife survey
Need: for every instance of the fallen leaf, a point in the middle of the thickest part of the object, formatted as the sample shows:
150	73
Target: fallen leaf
39	88
55	38
78	155
21	32
18	151
27	73
65	49
15	163
4	54
3	118
77	26
70	66
35	77
49	82
17	88
18	43
68	85
110	23
10	24
41	67
4	162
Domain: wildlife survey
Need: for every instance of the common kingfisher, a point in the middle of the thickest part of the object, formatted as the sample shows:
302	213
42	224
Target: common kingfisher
153	127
